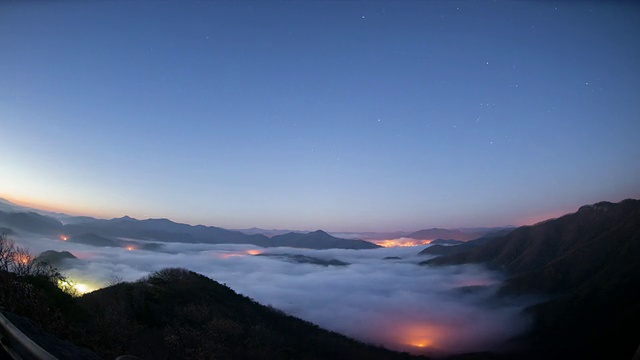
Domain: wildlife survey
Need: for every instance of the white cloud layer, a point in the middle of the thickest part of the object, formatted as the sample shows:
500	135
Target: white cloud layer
391	302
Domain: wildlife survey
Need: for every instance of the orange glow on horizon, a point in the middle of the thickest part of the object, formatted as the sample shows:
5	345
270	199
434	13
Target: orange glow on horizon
422	337
422	343
476	282
401	243
534	219
64	237
130	247
47	206
254	252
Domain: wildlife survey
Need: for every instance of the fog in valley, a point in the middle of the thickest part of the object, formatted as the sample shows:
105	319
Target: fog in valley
380	296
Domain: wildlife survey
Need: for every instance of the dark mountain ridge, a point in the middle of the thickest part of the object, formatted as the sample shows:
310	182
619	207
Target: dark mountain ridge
30	221
318	240
530	248
457	234
93	240
586	265
101	232
447	247
177	314
163	230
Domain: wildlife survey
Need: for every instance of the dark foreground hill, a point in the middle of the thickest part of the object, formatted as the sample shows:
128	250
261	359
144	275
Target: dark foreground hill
587	264
178	314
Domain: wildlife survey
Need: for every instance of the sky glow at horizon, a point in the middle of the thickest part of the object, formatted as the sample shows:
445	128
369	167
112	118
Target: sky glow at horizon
343	116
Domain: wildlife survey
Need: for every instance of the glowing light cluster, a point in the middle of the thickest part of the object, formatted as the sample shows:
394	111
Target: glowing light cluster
64	237
479	281
422	343
422	336
22	258
244	253
73	287
402	242
82	288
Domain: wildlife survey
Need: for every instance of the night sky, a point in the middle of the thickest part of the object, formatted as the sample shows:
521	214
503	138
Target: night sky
345	116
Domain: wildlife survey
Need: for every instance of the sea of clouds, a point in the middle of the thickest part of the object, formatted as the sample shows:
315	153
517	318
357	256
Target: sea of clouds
392	302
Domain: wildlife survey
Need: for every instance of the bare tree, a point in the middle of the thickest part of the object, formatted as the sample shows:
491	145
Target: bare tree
115	280
23	262
7	252
20	261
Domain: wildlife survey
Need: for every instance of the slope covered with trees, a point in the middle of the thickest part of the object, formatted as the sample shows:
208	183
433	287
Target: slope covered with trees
586	265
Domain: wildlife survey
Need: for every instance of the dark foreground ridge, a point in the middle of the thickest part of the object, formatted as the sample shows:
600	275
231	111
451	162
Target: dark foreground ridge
587	266
173	314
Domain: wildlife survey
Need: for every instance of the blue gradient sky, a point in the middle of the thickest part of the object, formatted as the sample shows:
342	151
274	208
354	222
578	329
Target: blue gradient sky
346	116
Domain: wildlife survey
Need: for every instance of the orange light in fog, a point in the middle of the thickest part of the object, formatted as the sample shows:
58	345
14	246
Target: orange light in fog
422	343
254	252
21	258
423	336
401	243
64	237
130	248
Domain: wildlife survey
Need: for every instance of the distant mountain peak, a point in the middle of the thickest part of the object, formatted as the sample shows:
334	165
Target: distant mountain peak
125	218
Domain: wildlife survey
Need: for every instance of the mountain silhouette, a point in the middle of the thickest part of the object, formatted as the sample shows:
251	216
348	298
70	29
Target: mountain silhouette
318	240
54	257
304	259
175	314
455	234
93	240
103	232
586	265
30	221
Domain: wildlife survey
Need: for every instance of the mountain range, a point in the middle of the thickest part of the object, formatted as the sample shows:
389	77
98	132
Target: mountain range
101	232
